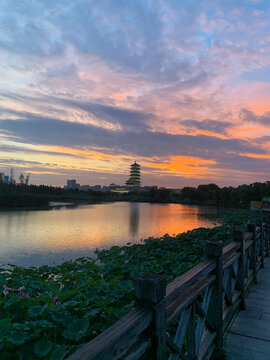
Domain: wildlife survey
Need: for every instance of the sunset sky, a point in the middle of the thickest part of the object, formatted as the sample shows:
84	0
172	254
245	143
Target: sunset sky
182	87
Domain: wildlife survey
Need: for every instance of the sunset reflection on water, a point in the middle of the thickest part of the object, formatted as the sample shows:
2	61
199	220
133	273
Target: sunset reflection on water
47	237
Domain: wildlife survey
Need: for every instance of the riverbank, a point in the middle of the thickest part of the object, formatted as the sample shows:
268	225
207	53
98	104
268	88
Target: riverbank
23	195
69	304
11	200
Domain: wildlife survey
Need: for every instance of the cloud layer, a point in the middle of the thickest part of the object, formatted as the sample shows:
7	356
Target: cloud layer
87	87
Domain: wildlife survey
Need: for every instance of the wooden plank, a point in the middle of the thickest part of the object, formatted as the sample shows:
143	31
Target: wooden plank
240	237
114	342
260	297
257	329
175	351
263	290
230	260
237	352
139	350
259	303
191	341
186	299
252	312
248	343
206	346
258	234
183	282
249	282
265	316
225	282
181	331
253	259
233	356
230	249
201	321
264	286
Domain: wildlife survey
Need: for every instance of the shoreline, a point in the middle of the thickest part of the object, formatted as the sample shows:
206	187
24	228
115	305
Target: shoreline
77	202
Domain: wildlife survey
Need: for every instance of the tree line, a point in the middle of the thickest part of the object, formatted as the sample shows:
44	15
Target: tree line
25	194
210	194
239	196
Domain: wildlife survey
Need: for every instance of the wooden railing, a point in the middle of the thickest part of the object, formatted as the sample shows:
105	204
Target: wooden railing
192	314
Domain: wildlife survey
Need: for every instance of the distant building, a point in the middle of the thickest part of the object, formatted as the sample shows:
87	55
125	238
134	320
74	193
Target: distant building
84	187
2	177
106	188
135	176
71	184
89	187
6	180
96	188
120	190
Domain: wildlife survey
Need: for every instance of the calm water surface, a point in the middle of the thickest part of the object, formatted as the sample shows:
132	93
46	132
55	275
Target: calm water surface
34	238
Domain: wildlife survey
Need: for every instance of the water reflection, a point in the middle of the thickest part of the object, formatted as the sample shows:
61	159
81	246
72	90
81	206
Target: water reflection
134	218
45	237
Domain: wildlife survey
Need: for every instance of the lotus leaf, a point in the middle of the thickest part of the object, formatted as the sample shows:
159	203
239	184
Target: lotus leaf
42	348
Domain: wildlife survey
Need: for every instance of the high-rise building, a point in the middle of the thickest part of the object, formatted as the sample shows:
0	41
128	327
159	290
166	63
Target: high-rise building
71	184
135	175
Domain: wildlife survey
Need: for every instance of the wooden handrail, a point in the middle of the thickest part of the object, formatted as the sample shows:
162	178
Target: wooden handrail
183	282
114	343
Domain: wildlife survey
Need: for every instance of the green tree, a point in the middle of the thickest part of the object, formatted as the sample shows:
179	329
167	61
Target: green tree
21	179
27	178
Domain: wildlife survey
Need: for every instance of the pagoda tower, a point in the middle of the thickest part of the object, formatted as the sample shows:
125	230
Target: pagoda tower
135	175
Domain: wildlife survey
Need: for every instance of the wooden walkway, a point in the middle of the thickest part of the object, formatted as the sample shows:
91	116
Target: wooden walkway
249	335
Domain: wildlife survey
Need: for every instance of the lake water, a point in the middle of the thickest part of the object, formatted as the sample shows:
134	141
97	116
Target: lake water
34	238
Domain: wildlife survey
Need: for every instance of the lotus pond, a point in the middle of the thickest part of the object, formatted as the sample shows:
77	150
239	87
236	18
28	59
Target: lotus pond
50	312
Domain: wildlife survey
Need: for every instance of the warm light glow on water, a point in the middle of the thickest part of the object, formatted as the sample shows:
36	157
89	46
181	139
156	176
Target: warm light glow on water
33	238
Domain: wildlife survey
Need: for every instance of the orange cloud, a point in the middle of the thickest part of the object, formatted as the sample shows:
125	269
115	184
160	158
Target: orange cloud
206	133
43	172
256	156
247	131
119	96
185	165
260	109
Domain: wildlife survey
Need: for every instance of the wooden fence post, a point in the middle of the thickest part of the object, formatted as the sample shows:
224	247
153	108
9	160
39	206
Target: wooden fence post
261	242
150	290
253	262
213	251
239	237
267	236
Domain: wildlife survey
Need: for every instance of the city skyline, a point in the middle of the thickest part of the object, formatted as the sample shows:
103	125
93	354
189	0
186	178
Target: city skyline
88	88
